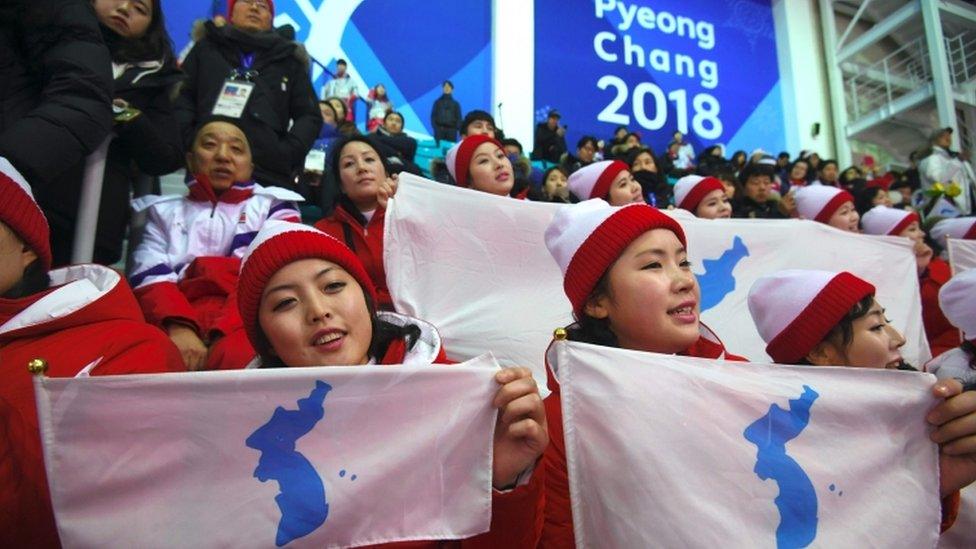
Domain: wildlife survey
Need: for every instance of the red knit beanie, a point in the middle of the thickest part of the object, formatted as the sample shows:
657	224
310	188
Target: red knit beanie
277	244
819	202
691	189
20	212
594	180
231	3
458	157
585	239
795	309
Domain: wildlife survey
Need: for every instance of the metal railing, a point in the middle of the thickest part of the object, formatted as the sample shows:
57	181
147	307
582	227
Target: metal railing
870	87
961	50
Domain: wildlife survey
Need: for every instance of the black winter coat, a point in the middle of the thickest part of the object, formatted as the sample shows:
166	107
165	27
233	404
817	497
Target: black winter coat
282	93
149	144
55	87
446	113
549	145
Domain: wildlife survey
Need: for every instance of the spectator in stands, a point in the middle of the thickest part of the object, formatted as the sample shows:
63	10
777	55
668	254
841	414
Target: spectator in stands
702	196
709	158
479	162
185	268
586	149
822	318
738	161
56	103
379	106
619	135
958	301
627	276
550	139
246	59
726	174
783	165
79	319
400	147
870	196
554	186
753	198
343	87
339	106
523	168
147	141
960	228
365	185
643	167
933	272
630	141
298	284
813	163
445	115
478	123
609	180
315	183
945	166
685	159
903	200
828	205
851	179
828	173
796	176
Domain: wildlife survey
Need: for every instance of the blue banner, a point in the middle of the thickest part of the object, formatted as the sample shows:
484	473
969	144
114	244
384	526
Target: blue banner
705	68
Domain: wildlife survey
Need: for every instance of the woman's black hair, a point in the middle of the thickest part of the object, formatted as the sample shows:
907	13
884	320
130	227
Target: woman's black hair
789	169
588	329
738	153
343	103
34	280
152	46
392	113
843	331
633	153
969	348
326	104
384	334
342	142
864	197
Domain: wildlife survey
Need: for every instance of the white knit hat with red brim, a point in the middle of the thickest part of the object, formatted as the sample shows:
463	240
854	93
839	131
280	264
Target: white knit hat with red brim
277	244
961	228
882	220
585	239
795	309
957	298
819	202
594	180
691	189
20	212
458	157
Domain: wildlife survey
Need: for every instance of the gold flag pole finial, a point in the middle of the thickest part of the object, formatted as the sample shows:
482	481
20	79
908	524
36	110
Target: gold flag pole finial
37	366
559	334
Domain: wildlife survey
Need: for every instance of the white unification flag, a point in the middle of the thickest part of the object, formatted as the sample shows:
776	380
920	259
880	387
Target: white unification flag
668	451
962	254
303	457
476	266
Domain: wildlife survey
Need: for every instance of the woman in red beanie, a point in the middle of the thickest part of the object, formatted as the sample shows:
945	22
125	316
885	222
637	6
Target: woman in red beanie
628	278
824	318
610	180
479	162
306	300
75	321
933	272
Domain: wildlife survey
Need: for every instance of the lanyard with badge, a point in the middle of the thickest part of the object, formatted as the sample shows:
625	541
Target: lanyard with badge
237	89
